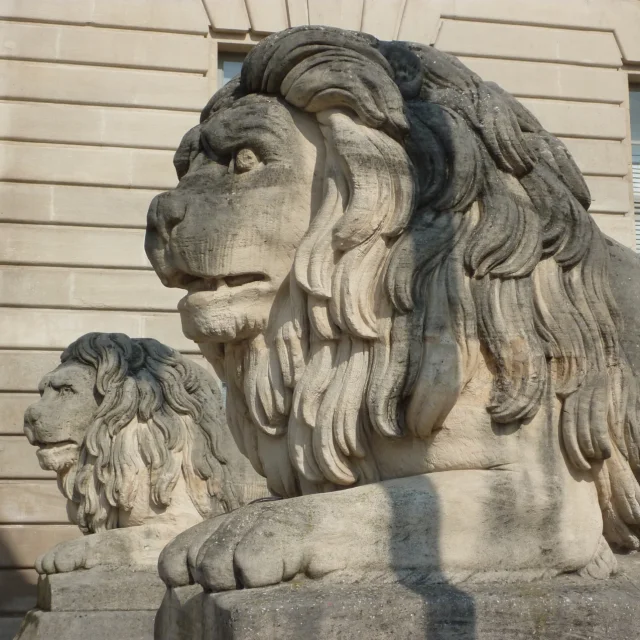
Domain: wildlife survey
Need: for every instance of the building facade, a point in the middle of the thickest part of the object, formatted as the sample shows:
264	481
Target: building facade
95	96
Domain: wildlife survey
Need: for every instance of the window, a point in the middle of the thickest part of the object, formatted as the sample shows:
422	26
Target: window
634	107
229	65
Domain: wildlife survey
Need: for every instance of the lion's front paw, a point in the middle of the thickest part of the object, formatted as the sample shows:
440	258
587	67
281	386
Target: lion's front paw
64	557
261	545
177	558
129	547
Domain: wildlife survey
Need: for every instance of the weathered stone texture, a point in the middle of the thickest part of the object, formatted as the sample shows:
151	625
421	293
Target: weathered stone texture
558	609
77	625
95	603
121	589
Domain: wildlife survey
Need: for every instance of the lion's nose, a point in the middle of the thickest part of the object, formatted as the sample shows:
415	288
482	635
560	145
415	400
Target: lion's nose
31	417
165	213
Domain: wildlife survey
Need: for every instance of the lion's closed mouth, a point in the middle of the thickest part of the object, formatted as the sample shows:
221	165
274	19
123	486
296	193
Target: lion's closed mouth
57	456
227	282
56	445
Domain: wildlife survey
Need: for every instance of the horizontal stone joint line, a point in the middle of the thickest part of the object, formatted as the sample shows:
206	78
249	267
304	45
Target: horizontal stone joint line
13	391
102	105
89	65
101	25
72	265
589	65
604	100
82	185
50	481
200	72
527	23
80	307
64	183
147	314
34	522
582	136
592	174
75	143
108	107
21	391
612	214
16	525
18	348
64	223
27	478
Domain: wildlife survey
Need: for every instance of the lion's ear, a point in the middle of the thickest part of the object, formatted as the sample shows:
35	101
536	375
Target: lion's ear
406	66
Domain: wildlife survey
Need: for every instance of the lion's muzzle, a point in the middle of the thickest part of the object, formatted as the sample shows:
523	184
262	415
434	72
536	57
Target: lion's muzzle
31	416
165	213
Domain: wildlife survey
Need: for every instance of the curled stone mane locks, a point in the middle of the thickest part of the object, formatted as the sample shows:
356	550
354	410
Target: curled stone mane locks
403	283
145	381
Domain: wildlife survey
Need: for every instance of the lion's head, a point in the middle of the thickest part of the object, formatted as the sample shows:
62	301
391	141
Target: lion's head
347	203
122	421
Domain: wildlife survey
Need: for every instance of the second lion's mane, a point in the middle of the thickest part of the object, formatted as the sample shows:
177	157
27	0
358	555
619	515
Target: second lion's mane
158	417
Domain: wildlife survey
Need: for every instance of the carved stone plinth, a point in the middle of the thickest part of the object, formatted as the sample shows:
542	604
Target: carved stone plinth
97	604
554	609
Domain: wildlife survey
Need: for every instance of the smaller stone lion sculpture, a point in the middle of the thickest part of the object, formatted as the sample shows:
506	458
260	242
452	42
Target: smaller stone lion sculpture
137	437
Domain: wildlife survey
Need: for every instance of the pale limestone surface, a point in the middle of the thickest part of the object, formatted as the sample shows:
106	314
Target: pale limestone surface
136	435
60	183
391	264
83	216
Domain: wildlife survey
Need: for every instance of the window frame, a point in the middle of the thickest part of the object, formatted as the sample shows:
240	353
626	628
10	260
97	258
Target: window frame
227	56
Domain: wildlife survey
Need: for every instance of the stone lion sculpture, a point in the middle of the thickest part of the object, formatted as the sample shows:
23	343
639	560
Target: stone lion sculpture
137	437
391	264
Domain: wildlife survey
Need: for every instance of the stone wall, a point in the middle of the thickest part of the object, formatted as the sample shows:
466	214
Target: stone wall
94	96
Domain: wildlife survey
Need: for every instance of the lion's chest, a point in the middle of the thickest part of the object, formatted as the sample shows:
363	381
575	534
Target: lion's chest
470	439
473	445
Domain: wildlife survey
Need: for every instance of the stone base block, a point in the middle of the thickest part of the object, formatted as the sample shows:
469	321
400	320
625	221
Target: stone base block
566	607
96	604
87	625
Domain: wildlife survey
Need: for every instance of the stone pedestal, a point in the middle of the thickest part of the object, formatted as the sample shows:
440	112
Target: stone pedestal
95	604
566	607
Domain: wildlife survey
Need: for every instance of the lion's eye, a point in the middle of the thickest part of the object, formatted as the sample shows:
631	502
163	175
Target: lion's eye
245	160
65	390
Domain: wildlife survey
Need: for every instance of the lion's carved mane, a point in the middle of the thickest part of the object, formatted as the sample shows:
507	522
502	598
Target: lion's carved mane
448	213
159	415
